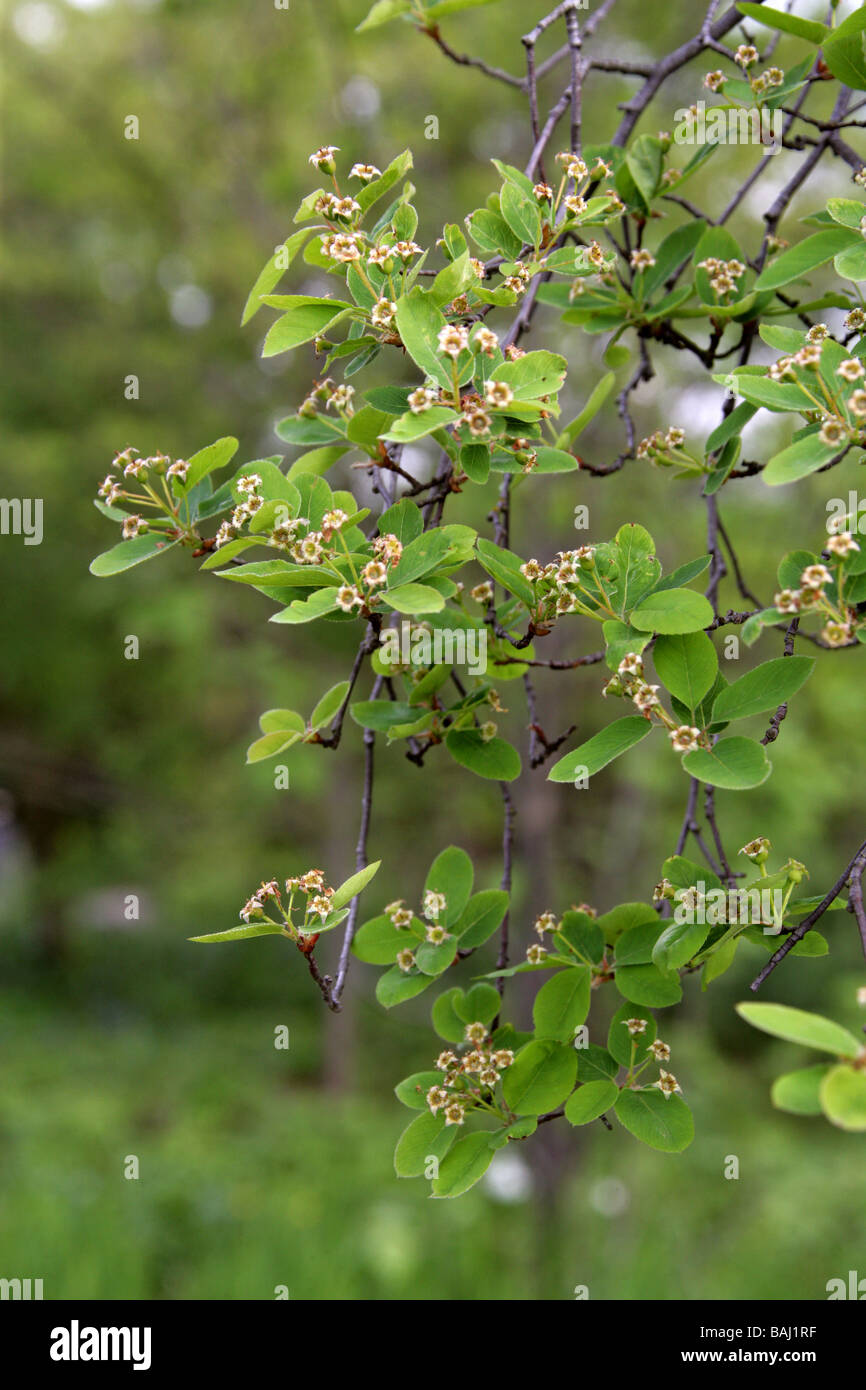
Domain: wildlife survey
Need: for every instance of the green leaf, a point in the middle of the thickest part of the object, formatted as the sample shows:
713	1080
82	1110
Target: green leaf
671	254
426	1137
799	1091
443	7
808	29
663	1122
493	235
542	1075
494	758
480	1004
795	1025
598	396
851	263
475	462
128	553
504	566
272	744
353	886
242	933
805	257
418	323
379	942
327	707
806	455
683	574
481	916
635	945
420	556
645	984
521	212
843	1098
601	749
844	51
624	1047
562	1003
589	1101
274	269
468	1161
582	934
672	611
382	11
381	715
216	455
414	598
377	188
687	665
849	213
765	688
678	943
309	609
644	161
412	1090
621	639
615	923
451	873
396	986
520	1129
403	520
737	764
410	427
446	1021
303	319
537	374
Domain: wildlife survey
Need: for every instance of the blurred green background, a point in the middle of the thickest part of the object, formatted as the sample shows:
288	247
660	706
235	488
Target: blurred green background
261	1167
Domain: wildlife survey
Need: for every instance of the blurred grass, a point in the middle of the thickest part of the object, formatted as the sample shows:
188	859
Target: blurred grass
251	1179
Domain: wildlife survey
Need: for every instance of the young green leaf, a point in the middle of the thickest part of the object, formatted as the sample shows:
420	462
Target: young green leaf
672	611
795	1025
765	688
589	1101
461	1169
562	1003
542	1075
353	886
601	749
662	1122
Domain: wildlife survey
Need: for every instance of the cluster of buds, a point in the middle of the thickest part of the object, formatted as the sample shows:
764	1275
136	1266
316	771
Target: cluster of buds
310	886
766	80
665	450
723	275
468	1075
339	398
148	472
561	585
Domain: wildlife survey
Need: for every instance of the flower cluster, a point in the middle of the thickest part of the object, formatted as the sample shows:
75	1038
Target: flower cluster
433	906
315	905
142	481
469	1075
628	680
840	620
723	275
